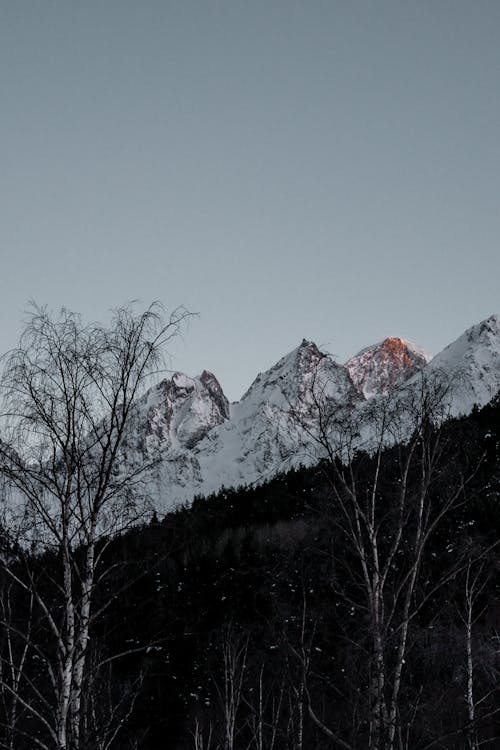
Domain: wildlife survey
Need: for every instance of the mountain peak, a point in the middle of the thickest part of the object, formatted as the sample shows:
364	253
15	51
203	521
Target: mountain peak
180	410
305	344
288	370
381	367
472	364
485	329
394	342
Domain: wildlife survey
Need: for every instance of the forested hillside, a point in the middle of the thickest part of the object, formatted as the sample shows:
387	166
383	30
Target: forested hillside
284	616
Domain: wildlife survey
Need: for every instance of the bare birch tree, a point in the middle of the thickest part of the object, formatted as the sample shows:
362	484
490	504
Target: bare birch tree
234	650
69	391
389	493
481	671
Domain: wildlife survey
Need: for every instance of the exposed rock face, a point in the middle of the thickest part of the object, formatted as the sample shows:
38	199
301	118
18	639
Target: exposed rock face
378	369
216	393
181	410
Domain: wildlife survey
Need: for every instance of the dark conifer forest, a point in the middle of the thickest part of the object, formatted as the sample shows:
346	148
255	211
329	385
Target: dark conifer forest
259	617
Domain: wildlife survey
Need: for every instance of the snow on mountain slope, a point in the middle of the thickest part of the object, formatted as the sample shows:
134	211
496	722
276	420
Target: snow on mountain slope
258	439
380	368
472	365
189	440
204	443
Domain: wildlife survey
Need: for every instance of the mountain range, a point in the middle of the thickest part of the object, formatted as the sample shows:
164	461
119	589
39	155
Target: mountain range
203	442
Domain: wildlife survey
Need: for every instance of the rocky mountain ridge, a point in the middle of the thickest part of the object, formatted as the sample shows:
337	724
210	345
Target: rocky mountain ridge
203	442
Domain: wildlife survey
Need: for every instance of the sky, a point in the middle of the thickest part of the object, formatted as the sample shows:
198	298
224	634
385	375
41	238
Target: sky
288	170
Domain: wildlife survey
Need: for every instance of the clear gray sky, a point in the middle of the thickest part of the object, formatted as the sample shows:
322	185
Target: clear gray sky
327	170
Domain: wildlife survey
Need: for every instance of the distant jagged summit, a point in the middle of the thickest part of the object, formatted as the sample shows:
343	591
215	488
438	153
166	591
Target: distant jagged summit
380	368
472	365
291	375
180	410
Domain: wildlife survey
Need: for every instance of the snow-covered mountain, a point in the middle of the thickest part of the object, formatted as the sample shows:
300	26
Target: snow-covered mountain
378	369
472	365
204	443
260	439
